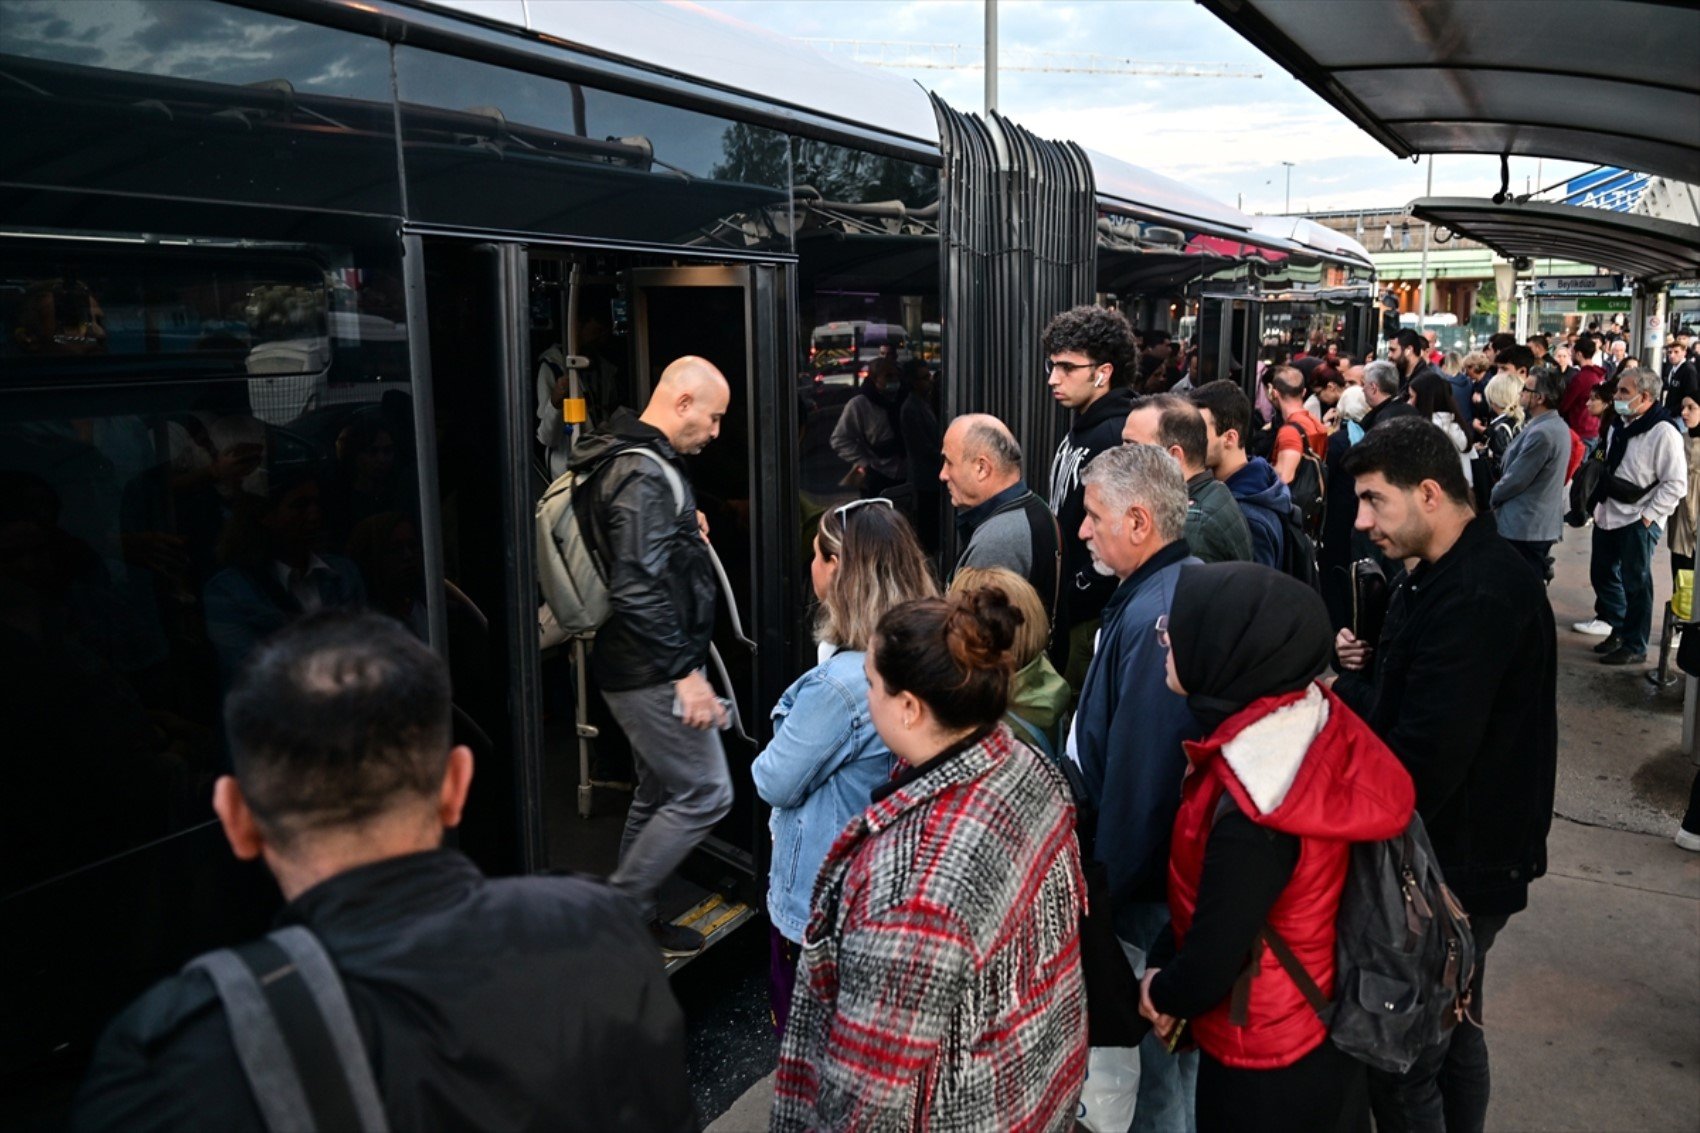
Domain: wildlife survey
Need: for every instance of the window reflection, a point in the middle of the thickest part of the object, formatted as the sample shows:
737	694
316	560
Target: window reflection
254	462
493	148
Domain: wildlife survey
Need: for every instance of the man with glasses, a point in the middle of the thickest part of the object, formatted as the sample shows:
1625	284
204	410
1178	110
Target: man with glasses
1090	359
1528	500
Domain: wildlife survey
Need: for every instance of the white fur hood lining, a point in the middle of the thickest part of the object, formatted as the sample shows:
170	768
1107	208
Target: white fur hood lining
1265	757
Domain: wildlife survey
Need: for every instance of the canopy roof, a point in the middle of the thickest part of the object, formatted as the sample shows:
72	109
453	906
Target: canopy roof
1640	246
1617	86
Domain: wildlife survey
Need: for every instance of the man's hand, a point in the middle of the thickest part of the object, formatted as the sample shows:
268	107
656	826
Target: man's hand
1353	654
697	706
702	524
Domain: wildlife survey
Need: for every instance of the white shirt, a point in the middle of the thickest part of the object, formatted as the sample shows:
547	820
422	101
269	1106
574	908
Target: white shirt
1654	459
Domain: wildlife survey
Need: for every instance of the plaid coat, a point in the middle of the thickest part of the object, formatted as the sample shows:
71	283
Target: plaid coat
940	985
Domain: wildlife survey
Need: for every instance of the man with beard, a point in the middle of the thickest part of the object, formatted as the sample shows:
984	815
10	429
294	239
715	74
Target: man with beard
1128	730
1462	685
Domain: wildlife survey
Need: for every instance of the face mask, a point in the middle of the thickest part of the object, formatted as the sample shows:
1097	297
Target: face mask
1621	406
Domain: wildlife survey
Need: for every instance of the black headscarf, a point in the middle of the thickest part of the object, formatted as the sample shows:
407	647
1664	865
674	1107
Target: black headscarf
1239	632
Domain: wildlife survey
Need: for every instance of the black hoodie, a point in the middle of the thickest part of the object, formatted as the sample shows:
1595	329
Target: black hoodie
1084	590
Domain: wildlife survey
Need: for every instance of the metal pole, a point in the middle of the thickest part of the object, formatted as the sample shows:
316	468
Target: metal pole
991	55
1422	278
1288	207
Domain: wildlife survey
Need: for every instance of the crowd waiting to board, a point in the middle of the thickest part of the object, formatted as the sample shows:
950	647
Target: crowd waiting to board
1094	806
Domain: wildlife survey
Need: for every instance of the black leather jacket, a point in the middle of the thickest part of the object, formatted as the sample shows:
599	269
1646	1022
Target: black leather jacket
492	1004
660	580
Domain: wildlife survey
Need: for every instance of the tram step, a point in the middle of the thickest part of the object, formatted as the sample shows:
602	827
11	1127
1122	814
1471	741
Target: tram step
715	916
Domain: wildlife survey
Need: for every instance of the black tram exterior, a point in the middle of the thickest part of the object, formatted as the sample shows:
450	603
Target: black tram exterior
279	280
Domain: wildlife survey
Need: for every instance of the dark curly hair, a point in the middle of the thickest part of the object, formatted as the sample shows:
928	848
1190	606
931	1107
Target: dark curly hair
1099	333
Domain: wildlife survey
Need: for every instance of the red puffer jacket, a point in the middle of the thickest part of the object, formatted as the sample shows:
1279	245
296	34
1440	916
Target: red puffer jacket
1304	764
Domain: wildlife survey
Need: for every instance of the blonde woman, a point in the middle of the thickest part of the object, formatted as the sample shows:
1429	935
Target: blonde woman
826	759
1038	696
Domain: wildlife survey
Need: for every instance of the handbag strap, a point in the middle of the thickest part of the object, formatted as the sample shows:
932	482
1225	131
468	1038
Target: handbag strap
295	1034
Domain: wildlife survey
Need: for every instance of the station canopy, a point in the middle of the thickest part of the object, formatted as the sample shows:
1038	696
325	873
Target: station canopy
1611	82
1646	248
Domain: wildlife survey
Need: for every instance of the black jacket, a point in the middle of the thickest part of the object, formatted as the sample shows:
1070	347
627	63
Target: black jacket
660	580
513	1004
1463	686
1680	381
1392	408
1084	590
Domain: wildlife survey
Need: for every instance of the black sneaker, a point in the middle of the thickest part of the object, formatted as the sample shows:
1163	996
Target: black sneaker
1610	645
675	941
1621	656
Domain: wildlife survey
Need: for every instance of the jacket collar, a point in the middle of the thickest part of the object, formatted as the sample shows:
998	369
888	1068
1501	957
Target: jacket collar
971	519
1112	406
1476	532
948	769
376	897
1166	556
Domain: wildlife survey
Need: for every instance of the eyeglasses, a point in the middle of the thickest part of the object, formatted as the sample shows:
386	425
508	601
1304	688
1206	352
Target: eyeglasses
1069	367
1162	628
843	509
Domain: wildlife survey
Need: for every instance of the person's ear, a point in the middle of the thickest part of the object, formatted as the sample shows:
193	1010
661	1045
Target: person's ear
1179	455
909	709
240	828
682	404
457	780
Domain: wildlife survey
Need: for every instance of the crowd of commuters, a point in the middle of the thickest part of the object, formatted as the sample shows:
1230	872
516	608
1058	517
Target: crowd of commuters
1155	677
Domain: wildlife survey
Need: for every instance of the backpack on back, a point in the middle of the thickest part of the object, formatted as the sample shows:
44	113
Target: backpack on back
573	580
1309	486
1298	551
1404	956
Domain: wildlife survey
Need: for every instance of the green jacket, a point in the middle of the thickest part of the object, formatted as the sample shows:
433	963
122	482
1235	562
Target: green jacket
1038	696
1216	530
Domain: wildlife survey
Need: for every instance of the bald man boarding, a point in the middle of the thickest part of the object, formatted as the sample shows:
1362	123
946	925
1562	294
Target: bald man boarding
649	655
999	522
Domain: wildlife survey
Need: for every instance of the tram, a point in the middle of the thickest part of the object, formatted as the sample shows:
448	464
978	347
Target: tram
286	286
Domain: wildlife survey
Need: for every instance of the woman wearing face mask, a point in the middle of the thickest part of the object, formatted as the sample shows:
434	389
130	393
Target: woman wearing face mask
1286	781
826	757
940	985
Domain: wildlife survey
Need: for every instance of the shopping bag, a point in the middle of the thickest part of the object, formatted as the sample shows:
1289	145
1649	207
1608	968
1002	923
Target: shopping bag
1112	1088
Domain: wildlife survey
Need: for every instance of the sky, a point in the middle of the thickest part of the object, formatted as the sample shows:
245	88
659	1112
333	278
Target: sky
1226	137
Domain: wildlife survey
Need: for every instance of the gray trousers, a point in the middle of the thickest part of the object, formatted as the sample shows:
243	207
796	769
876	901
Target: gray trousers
683	789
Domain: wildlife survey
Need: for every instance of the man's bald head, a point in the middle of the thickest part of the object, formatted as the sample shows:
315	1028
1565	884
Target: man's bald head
688	403
981	459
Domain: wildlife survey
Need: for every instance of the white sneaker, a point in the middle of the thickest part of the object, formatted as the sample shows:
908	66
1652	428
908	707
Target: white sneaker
1687	841
1593	628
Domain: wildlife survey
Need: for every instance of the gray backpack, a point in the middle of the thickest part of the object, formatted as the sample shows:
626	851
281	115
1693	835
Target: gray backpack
295	1034
574	583
1403	956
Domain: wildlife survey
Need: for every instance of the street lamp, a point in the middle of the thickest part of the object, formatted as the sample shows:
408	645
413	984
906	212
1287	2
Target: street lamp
1289	206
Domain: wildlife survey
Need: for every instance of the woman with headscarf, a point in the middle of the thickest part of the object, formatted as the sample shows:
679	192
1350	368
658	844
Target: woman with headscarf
1286	781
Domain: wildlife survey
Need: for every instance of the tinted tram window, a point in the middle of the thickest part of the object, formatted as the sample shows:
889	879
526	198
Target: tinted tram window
499	149
193	99
867	241
195	447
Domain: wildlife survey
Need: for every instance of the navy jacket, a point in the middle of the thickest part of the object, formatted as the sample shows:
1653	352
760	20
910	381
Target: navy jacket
1265	500
1128	731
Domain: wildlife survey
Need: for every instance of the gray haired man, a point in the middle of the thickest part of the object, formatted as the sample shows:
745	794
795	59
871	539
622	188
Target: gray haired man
1128	728
1381	390
1000	522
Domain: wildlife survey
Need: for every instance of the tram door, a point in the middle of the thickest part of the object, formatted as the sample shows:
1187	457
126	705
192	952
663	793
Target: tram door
507	323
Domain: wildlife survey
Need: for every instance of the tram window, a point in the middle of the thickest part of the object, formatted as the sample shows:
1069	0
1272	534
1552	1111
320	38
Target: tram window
152	533
492	148
196	99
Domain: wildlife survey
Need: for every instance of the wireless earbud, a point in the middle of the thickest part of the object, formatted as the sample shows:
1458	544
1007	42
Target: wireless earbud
1099	382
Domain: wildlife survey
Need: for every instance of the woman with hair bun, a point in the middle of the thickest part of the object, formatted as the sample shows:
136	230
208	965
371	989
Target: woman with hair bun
1038	696
940	983
825	757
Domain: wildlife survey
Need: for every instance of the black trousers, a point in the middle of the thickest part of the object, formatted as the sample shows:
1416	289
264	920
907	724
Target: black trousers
1323	1092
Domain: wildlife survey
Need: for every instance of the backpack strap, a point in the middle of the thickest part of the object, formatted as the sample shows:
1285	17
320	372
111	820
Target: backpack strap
295	1035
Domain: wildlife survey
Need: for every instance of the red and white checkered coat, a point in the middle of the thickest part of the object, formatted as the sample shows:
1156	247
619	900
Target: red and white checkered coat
940	985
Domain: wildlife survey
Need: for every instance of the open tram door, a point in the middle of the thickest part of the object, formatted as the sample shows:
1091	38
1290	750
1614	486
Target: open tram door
506	322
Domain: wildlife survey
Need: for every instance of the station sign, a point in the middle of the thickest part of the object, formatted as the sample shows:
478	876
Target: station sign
1603	304
1608	188
1570	284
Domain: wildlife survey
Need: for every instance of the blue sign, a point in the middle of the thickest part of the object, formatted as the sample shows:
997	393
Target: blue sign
1608	188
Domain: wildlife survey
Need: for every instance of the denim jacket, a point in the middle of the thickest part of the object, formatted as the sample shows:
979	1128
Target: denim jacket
817	774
